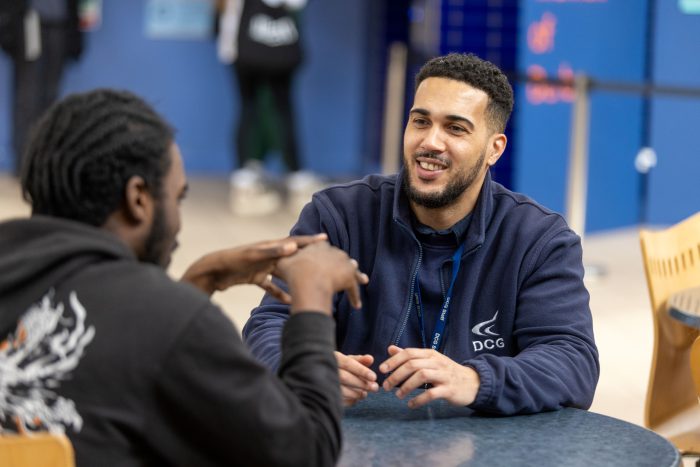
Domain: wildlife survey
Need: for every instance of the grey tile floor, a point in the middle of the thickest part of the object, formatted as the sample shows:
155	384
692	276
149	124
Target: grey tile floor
619	300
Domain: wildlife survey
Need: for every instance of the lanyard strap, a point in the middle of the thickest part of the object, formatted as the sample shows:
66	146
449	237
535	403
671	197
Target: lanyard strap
439	330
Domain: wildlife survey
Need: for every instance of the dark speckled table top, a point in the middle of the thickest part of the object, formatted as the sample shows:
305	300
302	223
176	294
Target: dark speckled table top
383	431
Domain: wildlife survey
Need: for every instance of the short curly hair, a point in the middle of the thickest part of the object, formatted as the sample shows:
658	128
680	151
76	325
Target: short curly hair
85	149
480	74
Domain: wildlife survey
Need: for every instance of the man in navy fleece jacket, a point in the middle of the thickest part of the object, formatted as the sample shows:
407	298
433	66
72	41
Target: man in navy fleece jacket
476	292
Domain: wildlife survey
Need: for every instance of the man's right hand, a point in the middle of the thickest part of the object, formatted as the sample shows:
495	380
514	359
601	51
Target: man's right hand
356	379
315	273
246	264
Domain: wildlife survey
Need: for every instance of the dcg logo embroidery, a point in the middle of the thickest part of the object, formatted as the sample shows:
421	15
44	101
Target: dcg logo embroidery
485	329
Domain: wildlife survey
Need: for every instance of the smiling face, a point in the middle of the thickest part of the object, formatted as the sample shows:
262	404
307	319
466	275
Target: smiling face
448	146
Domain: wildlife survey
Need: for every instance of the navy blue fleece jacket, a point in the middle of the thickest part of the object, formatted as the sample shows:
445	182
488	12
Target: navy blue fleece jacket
519	313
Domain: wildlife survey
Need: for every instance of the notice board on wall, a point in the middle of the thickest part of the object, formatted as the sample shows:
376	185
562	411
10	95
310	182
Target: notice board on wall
179	19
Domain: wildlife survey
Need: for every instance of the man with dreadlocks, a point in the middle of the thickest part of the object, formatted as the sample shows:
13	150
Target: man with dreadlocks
97	341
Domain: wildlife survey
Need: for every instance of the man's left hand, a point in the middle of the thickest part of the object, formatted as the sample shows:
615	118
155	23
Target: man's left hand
413	368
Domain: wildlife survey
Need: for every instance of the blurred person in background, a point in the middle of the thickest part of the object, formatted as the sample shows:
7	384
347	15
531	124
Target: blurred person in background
98	341
40	37
261	39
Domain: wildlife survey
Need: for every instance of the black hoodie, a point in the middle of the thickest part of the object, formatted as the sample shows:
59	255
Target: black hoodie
141	370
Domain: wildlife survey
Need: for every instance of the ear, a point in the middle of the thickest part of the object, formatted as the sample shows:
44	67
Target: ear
495	147
138	201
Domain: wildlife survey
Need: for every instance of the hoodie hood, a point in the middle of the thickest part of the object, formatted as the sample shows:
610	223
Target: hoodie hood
39	253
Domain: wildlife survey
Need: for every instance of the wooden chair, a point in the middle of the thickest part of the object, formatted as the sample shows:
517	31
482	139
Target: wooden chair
36	449
695	365
672	262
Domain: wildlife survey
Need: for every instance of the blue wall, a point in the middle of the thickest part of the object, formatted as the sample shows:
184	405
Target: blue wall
185	82
605	41
674	191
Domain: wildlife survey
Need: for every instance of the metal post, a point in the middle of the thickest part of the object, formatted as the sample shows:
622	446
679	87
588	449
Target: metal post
395	88
577	179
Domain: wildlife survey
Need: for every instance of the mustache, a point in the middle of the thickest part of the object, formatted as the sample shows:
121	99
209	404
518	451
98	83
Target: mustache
431	155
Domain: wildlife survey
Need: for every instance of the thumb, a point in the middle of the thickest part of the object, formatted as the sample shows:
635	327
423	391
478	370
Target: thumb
278	250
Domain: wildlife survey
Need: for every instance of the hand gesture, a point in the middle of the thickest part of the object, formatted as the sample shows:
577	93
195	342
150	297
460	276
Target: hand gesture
315	273
356	379
413	368
247	264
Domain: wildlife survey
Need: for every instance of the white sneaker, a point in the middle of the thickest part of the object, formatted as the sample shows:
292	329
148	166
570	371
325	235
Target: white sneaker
301	186
245	178
251	196
302	180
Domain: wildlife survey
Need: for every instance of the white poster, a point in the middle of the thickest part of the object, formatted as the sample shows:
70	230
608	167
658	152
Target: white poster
690	7
179	19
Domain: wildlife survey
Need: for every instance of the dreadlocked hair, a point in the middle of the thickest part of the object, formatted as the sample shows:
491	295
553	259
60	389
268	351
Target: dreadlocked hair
85	149
480	74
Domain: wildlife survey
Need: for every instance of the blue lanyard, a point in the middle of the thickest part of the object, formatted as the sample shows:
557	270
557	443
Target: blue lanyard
439	330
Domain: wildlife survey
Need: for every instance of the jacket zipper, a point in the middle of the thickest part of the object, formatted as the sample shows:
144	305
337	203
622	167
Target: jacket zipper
413	279
412	289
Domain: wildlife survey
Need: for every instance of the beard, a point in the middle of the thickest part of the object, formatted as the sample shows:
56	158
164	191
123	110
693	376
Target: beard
156	246
451	193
